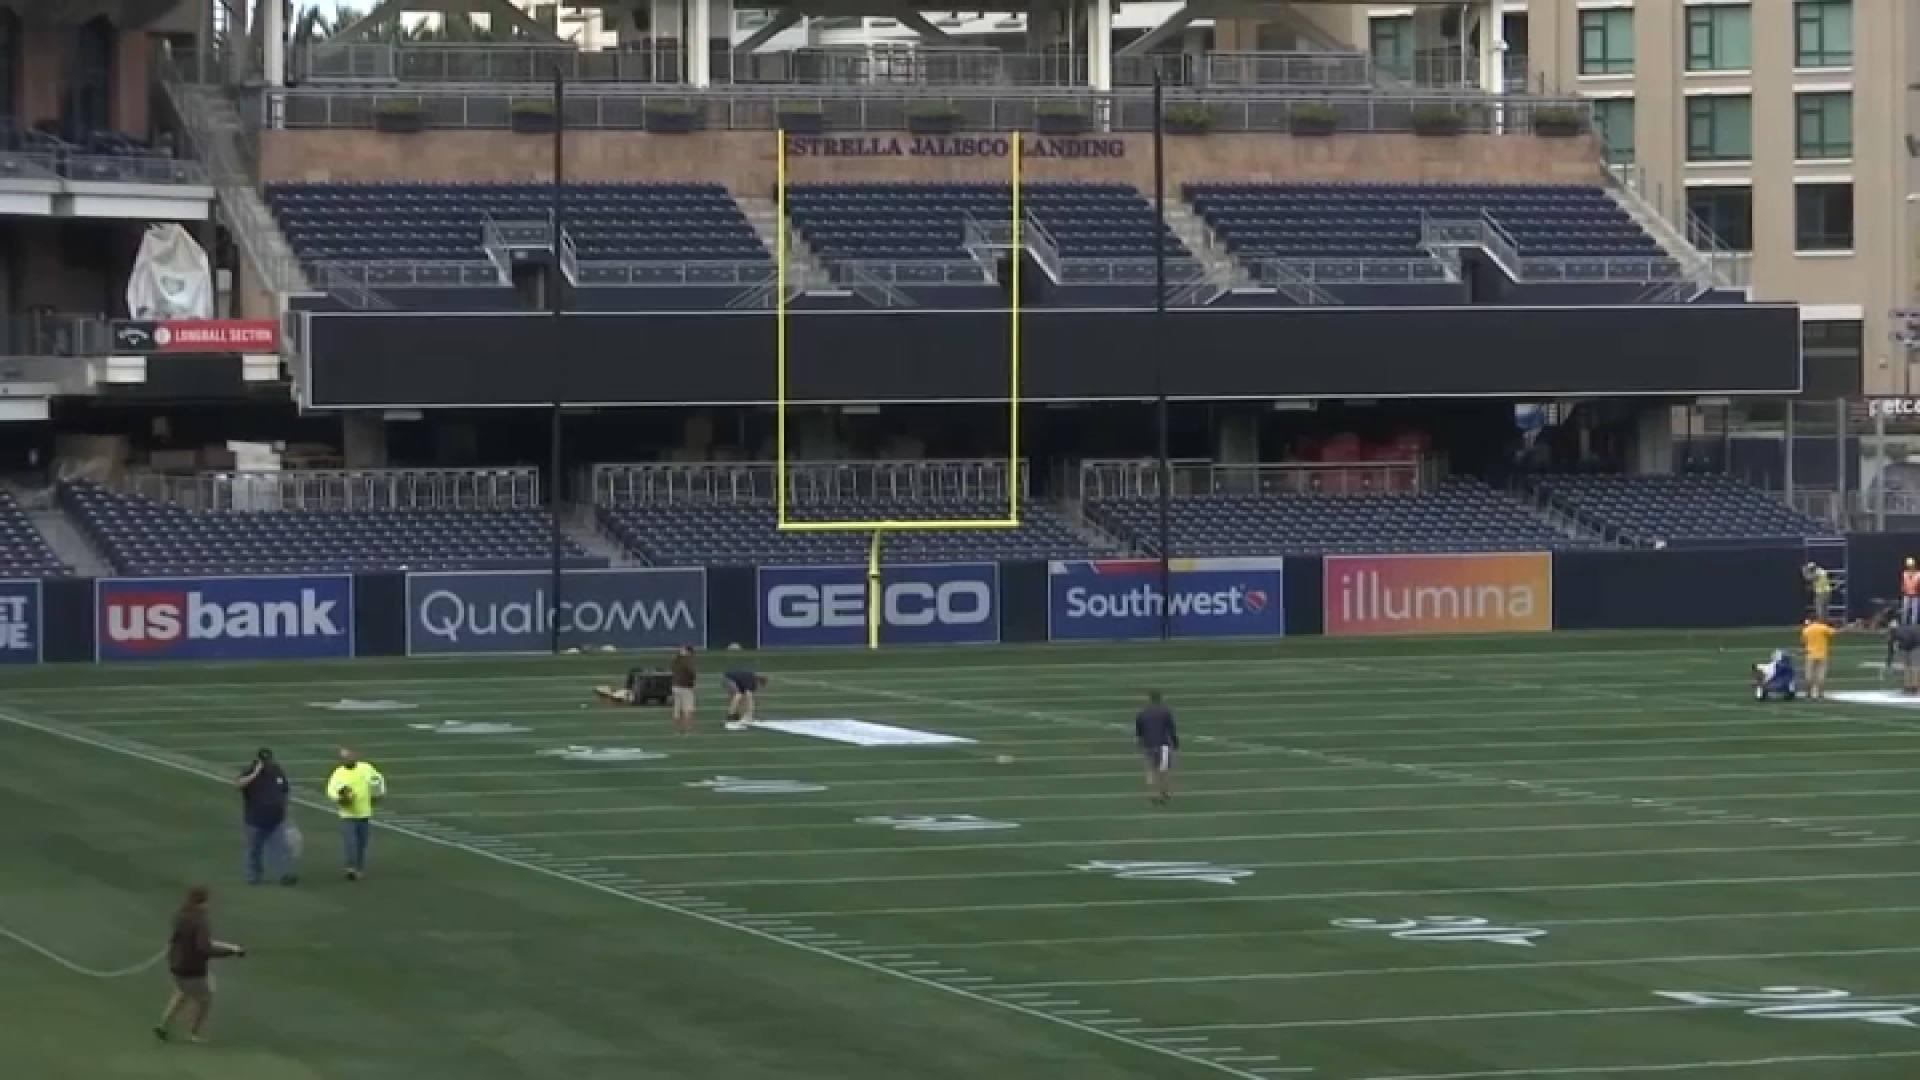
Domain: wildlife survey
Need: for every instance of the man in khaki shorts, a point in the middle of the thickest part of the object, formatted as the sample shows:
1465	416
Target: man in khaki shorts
685	676
191	950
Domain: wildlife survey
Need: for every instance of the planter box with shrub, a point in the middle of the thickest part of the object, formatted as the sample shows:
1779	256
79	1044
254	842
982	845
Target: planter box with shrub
1438	120
1062	119
1312	118
400	118
1188	120
664	118
800	118
533	117
1559	122
938	118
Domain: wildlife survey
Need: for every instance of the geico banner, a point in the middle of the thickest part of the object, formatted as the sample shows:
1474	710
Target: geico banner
512	611
1120	599
237	618
19	622
956	604
1439	594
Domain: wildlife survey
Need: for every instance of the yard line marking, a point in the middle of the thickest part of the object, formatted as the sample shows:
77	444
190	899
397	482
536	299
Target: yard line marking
189	766
1685	1066
1456	969
1455	1018
1362	894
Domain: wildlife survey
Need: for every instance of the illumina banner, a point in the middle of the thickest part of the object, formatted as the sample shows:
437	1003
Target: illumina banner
1499	593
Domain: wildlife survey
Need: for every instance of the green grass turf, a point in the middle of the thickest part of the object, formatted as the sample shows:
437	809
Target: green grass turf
533	917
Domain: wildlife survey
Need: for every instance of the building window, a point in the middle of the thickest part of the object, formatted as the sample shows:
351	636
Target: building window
1392	44
1823	33
1613	118
1720	127
1606	42
1722	217
1720	37
1823	217
1824	126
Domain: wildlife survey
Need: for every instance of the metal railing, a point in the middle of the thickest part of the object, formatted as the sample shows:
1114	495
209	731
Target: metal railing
103	169
976	109
407	273
643	273
874	65
214	128
1407	271
929	272
980	237
1130	271
1136	478
811	482
56	335
1579	270
340	489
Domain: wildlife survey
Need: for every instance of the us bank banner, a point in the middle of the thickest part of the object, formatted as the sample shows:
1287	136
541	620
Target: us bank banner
514	611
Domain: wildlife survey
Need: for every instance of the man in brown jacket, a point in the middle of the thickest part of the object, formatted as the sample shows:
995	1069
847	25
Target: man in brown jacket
191	950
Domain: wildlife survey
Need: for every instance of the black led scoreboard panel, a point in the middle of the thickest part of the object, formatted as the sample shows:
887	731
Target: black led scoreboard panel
415	360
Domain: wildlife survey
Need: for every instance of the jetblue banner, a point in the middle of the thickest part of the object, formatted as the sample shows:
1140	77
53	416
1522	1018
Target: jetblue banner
512	611
234	618
1119	599
19	622
949	604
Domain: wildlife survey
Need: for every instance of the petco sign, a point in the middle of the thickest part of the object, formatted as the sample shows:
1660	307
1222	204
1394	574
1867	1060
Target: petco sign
925	605
244	618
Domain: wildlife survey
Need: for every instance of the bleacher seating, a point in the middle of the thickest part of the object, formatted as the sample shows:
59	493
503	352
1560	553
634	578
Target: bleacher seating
141	536
23	551
693	533
1382	221
1459	515
926	221
444	222
1677	510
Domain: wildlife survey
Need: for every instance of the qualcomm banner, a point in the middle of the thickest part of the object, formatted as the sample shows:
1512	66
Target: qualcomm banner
951	604
1118	599
19	622
233	618
512	611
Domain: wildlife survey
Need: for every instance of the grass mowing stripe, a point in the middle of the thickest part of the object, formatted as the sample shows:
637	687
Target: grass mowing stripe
1684	1066
448	838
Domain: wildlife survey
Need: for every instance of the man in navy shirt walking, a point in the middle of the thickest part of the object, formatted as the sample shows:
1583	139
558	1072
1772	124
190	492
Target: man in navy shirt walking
1153	727
264	793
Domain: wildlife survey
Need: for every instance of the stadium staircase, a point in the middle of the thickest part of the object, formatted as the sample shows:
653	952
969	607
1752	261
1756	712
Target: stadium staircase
581	525
1222	273
68	540
1699	272
1074	513
807	275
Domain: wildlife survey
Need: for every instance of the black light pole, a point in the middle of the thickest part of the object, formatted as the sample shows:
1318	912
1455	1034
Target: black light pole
557	304
1160	352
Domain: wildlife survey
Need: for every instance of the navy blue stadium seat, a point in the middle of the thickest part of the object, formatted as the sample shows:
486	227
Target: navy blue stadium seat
1677	510
23	551
141	536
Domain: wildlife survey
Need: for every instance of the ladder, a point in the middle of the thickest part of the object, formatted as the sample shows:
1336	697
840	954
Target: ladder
1830	553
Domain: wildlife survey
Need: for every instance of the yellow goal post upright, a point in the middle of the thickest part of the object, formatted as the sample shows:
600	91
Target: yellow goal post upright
785	522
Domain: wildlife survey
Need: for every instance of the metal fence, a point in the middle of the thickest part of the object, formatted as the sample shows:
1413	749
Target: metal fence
878	65
893	109
811	482
103	168
341	489
56	335
1134	478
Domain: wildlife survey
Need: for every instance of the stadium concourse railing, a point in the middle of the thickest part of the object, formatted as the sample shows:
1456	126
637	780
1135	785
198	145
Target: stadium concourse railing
867	65
1135	477
104	168
886	108
337	489
617	484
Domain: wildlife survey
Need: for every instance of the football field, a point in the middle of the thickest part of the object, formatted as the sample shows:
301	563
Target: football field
1438	859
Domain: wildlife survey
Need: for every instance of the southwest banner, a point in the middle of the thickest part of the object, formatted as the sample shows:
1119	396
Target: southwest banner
1119	599
1439	594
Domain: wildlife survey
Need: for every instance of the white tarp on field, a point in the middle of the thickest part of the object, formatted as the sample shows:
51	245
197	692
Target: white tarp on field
1877	697
861	733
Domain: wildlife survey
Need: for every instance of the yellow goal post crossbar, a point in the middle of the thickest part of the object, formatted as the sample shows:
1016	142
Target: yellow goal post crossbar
785	522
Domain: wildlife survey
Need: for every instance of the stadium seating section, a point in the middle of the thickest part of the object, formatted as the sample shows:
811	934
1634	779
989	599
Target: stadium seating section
140	536
23	551
927	221
689	534
1679	510
1459	515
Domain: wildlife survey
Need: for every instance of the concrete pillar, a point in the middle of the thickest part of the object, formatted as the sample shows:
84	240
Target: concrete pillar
132	80
363	439
1653	442
41	74
1236	437
698	41
1100	45
1493	48
273	34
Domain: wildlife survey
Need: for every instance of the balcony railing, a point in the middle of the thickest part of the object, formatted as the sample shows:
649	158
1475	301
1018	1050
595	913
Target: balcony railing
1137	478
101	169
807	482
56	335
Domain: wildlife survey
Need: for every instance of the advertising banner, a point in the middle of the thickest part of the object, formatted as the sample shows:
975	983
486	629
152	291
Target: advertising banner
461	613
1498	593
1119	599
238	618
19	622
948	604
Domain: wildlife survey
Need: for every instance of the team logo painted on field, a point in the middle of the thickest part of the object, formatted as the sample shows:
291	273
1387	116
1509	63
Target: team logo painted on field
602	753
1138	870
735	785
470	727
1805	1003
940	823
357	705
1446	928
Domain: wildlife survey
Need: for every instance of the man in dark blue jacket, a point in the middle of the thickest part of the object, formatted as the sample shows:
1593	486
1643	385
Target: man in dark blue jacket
264	795
1154	729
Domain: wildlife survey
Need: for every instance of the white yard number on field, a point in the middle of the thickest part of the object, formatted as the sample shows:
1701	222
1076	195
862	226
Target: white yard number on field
1211	873
735	785
1805	1003
940	823
1446	928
